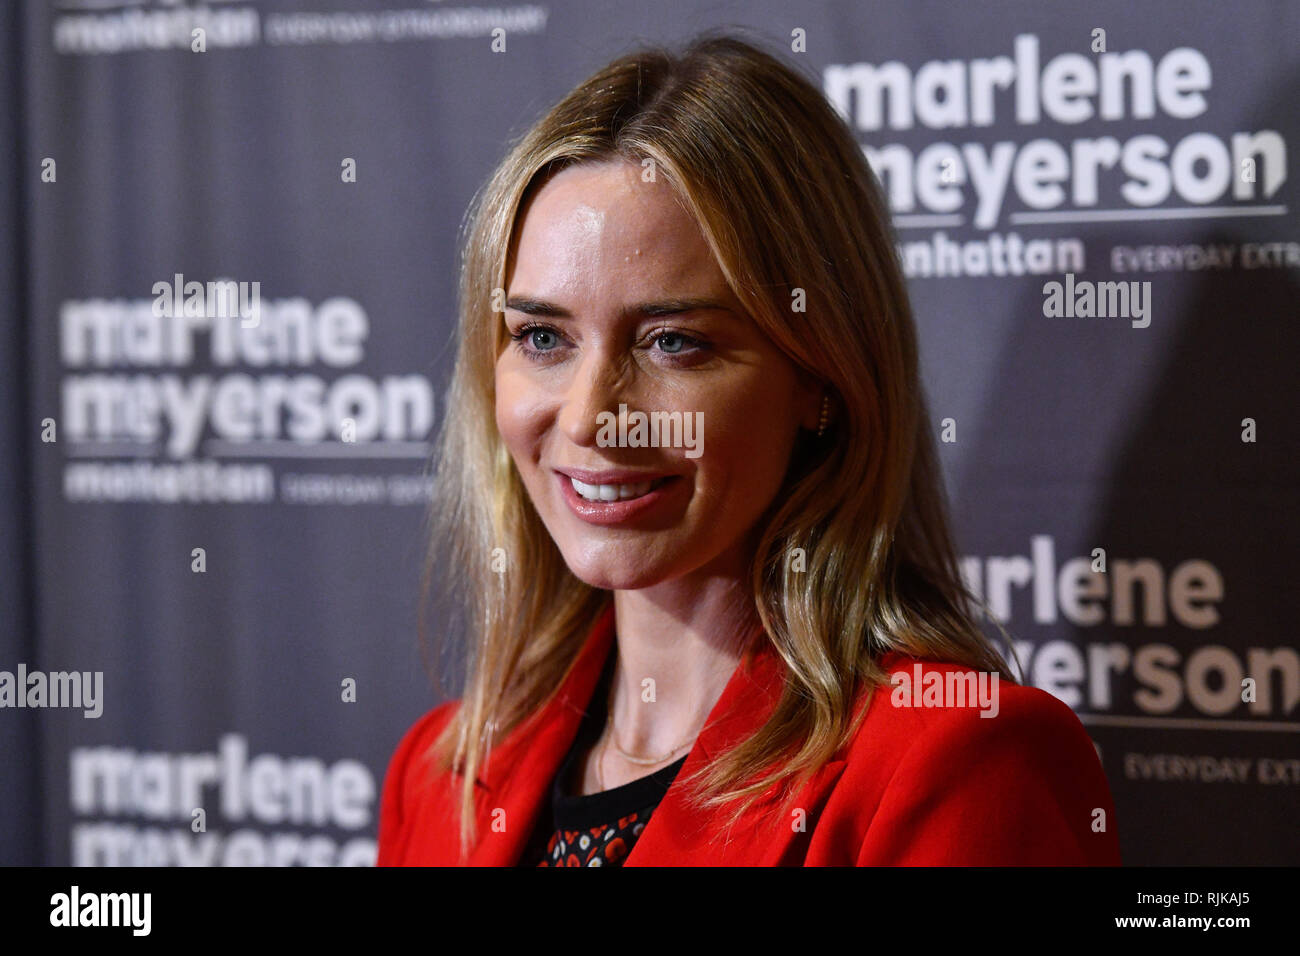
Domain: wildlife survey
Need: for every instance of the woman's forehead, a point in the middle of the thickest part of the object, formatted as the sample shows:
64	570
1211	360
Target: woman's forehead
593	225
607	200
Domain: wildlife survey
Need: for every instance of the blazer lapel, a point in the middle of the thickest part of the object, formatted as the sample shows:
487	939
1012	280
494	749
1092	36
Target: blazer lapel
512	789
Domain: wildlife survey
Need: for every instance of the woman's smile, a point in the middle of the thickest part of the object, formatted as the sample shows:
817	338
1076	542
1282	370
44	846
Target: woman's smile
610	502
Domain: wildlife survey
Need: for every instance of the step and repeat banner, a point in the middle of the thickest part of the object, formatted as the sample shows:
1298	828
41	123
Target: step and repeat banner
229	256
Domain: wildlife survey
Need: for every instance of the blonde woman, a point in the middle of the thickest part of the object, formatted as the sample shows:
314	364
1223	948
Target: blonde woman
687	482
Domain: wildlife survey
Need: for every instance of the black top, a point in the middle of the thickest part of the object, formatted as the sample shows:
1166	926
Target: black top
598	829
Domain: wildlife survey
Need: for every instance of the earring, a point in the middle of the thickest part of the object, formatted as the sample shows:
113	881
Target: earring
825	417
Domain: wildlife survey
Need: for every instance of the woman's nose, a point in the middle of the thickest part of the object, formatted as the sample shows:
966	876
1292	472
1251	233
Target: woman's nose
598	385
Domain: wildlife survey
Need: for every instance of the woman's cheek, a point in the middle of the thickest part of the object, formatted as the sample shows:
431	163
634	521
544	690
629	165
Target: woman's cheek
518	412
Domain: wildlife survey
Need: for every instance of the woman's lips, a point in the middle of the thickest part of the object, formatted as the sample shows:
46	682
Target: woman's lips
638	495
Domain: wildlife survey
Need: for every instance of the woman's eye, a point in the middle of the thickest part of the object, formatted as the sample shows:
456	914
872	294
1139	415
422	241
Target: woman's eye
671	342
535	339
680	344
541	339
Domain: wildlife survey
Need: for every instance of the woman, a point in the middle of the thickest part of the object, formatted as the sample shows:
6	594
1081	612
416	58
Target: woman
734	633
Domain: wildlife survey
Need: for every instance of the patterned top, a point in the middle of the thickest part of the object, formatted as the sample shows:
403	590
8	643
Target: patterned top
596	829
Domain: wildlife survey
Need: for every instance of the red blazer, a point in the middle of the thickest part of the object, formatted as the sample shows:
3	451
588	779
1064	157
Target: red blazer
916	785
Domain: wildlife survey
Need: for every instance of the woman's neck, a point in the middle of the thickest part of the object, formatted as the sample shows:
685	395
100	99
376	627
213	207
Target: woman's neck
678	645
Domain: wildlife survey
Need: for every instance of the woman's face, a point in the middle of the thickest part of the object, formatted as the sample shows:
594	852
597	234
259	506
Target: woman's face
614	299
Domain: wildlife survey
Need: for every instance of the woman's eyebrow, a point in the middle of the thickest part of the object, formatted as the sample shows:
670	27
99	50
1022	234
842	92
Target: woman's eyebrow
531	306
660	307
676	306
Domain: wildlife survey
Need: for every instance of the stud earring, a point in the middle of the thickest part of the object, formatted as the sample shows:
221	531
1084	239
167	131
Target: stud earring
825	416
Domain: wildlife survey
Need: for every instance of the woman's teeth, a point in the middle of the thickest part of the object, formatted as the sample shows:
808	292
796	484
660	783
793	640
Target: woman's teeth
614	492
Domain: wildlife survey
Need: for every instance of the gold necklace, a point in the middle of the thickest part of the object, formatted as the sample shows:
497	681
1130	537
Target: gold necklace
600	757
611	733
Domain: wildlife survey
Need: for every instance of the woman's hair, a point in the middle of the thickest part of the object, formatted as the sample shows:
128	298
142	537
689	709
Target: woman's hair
854	557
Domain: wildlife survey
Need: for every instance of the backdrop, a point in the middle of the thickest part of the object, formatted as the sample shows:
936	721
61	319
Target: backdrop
218	526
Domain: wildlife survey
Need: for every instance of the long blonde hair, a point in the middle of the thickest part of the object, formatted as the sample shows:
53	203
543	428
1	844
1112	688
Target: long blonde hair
786	201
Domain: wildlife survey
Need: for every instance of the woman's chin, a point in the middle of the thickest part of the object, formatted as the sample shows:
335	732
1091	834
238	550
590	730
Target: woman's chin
617	575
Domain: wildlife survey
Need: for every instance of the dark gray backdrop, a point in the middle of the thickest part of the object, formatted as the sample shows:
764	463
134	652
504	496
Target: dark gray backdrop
1078	433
